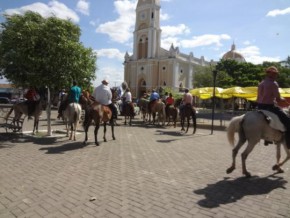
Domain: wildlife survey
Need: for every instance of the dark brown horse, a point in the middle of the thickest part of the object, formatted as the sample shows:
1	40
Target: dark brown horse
98	113
187	113
171	114
128	112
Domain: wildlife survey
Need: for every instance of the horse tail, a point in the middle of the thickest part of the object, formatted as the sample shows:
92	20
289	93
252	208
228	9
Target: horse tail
8	114
86	119
234	126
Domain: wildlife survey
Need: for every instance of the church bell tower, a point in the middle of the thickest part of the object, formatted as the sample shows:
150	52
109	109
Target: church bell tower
147	30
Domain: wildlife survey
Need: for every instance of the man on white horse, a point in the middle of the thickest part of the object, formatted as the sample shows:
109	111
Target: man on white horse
268	95
73	97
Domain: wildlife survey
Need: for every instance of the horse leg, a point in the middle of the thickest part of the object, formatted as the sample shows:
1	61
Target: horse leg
182	119
71	131
34	126
277	166
245	154
105	130
194	123
234	154
96	133
188	123
112	129
86	134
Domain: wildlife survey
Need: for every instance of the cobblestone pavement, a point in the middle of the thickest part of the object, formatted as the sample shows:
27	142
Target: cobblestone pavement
146	172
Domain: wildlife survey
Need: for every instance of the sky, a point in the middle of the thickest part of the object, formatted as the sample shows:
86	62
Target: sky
260	29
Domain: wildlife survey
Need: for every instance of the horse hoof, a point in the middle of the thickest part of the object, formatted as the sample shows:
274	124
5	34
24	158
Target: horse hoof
275	167
97	144
229	170
248	175
114	138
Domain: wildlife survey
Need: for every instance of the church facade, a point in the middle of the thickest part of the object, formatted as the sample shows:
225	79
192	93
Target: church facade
150	66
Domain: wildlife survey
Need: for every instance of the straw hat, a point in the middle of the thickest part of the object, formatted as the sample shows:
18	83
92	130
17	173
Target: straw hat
272	69
105	82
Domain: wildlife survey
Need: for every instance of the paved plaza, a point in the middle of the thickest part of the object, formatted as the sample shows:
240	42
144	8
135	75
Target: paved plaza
146	172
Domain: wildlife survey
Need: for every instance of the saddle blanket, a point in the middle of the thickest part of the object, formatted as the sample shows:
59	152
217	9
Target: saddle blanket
275	122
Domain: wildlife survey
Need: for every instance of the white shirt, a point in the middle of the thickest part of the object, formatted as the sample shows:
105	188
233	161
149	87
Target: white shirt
128	96
103	94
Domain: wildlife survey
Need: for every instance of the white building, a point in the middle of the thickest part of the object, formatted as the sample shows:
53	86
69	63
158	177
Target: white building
150	66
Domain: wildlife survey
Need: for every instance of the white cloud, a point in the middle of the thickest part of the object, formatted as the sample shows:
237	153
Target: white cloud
53	8
164	16
114	75
247	42
110	53
277	12
167	42
121	29
204	40
83	7
181	29
252	54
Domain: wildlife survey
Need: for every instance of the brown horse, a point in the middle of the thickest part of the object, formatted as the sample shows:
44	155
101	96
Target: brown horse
143	105
158	107
187	113
171	114
128	112
98	113
22	108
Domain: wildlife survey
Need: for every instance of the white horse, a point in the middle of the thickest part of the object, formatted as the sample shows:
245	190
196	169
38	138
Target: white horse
252	127
72	116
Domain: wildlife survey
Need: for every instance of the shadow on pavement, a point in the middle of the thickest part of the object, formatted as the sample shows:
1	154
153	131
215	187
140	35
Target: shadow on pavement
229	191
63	148
23	138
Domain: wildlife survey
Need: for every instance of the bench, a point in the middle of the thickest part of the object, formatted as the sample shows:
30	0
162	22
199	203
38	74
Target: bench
9	124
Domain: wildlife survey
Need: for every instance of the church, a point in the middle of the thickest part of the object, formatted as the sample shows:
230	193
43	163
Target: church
150	66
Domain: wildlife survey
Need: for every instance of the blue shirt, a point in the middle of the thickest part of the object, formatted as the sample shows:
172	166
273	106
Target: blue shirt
154	96
74	95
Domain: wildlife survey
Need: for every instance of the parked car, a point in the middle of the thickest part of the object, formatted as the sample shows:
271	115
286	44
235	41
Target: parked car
4	100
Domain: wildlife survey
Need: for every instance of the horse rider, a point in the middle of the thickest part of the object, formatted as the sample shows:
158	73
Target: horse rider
61	95
164	97
32	97
103	95
186	101
154	97
127	100
73	97
268	96
168	102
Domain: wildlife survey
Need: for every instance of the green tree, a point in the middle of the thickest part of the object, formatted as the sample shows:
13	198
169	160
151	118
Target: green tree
44	52
40	52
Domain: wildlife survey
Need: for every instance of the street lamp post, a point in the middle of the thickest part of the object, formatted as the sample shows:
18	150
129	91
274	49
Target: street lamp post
214	72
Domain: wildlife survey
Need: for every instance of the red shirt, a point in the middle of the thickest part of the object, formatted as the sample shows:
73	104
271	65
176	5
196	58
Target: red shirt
268	91
170	100
30	94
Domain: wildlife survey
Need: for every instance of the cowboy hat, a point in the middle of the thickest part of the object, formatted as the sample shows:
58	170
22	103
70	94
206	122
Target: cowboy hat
272	69
106	82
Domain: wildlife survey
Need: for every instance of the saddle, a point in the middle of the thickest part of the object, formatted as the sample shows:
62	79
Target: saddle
273	120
